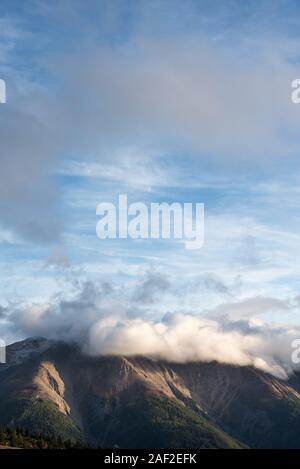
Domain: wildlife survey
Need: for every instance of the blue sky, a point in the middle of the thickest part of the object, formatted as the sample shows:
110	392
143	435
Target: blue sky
164	101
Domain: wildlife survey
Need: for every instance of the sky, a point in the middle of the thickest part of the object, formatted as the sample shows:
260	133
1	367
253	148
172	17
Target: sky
165	101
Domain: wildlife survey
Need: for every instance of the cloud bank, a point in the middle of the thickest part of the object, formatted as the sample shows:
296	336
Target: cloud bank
188	338
96	320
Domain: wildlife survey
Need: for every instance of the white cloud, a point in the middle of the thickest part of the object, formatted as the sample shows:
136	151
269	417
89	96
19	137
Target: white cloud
184	338
106	321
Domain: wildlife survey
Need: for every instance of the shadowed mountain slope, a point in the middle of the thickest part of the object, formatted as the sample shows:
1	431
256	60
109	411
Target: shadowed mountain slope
134	402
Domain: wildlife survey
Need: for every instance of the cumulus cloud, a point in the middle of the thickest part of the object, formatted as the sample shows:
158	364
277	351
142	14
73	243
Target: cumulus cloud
185	338
95	318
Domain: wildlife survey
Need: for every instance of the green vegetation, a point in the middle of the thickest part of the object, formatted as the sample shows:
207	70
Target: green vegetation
21	438
163	423
40	417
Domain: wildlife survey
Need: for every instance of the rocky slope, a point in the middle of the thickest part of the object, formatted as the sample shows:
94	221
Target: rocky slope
54	389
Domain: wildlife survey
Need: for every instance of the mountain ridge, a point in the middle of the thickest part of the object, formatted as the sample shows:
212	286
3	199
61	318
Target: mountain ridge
52	387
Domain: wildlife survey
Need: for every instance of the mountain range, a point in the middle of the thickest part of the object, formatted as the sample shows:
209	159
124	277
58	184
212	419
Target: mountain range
52	388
